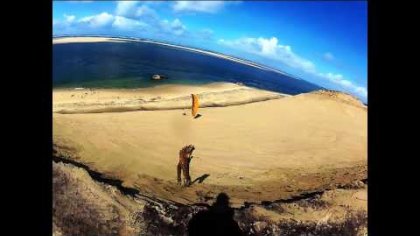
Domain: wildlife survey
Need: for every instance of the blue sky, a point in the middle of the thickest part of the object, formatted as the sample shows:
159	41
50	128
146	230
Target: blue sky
321	41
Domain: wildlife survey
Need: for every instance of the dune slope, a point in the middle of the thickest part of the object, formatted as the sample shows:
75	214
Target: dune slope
260	151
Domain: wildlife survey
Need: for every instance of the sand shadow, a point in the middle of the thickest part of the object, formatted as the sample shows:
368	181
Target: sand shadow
200	179
197	116
217	220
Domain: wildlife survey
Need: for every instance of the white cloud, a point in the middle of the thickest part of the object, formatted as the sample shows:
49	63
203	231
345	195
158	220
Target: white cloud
146	12
121	22
175	27
270	48
61	24
133	11
69	18
329	56
198	6
361	91
177	24
99	20
126	8
128	16
332	77
346	84
138	17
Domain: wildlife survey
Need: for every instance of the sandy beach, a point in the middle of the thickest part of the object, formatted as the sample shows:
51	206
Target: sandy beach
160	97
254	145
84	40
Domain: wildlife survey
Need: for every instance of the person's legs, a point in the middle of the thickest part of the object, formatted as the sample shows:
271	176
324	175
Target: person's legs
187	178
178	169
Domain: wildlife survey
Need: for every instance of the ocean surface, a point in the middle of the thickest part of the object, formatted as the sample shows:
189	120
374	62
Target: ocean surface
131	65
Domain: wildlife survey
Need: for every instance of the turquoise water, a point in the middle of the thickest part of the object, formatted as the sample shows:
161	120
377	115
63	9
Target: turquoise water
131	65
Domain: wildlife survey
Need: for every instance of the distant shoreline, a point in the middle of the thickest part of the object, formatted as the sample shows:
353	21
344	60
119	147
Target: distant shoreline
86	39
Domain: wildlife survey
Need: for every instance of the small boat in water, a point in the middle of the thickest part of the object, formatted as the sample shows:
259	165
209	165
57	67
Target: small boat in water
159	77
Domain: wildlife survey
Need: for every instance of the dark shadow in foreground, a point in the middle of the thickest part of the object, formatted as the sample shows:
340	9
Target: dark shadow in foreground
218	220
197	116
200	179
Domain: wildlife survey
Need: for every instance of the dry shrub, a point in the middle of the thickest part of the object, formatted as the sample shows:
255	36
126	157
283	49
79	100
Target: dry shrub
77	210
353	224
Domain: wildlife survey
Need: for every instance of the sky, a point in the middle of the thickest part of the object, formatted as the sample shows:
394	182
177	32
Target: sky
323	42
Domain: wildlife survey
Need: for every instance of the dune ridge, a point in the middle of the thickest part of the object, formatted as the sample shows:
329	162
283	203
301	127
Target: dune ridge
339	96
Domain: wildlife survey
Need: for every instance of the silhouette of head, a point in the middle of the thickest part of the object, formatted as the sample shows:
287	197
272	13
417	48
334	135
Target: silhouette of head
218	220
222	200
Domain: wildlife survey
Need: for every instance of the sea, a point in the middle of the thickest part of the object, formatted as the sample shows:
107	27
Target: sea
131	64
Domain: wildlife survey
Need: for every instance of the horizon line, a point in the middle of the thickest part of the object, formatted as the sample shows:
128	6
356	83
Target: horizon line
196	49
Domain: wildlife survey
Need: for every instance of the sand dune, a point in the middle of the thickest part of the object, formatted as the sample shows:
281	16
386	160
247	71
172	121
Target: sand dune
254	152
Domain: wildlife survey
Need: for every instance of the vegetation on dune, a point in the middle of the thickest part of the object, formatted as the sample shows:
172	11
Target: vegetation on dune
82	206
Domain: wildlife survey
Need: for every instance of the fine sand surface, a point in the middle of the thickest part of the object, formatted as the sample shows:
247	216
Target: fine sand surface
260	151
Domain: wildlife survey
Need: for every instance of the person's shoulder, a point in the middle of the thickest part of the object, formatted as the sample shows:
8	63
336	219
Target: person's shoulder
199	216
199	223
201	213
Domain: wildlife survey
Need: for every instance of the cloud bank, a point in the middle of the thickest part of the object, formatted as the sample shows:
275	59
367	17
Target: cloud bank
271	48
128	17
199	6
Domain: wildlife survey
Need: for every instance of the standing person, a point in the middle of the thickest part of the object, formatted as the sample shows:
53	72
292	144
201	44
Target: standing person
185	156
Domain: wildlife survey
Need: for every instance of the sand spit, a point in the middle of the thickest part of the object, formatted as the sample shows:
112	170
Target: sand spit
86	40
163	97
